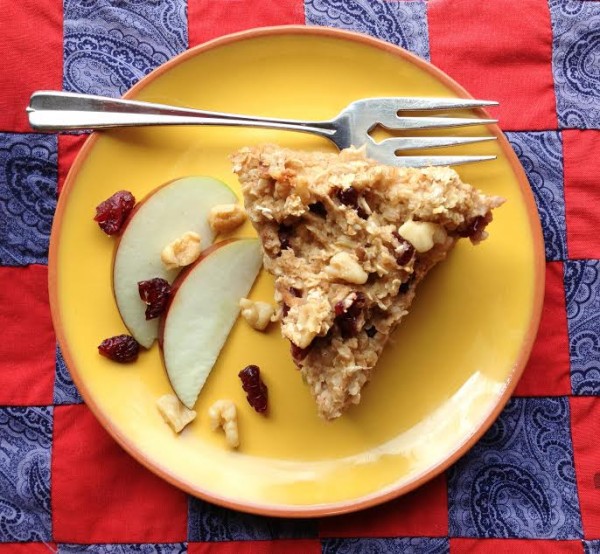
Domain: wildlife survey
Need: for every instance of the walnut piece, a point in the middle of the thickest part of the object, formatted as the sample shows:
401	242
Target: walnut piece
257	314
224	218
182	251
223	413
312	318
174	412
345	266
422	234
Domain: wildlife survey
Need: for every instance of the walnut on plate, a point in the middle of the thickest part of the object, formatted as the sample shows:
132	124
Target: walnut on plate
257	314
224	218
223	413
182	251
175	414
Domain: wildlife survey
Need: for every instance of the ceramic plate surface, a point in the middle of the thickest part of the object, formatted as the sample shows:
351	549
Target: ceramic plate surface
452	364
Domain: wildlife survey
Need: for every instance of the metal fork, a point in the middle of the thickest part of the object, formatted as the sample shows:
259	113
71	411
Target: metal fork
66	111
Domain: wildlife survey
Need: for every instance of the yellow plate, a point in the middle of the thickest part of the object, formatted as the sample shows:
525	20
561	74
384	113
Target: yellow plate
450	368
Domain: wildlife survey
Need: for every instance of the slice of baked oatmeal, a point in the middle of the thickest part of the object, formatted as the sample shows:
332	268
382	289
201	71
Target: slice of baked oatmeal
348	240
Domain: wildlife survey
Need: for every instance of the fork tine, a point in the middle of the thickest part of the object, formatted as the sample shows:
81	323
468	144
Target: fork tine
402	123
428	161
420	103
411	143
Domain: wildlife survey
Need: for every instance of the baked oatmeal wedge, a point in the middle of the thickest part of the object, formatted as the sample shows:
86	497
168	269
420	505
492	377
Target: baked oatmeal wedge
348	240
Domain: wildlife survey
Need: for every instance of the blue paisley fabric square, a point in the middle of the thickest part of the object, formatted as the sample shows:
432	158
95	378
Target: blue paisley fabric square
110	44
401	23
582	290
210	523
413	545
171	548
28	177
541	155
65	391
25	445
591	547
576	62
519	479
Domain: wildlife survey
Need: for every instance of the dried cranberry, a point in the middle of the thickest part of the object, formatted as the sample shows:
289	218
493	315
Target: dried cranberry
349	197
371	332
256	391
474	227
406	255
318	208
299	353
342	306
323	340
347	313
351	302
347	325
285	234
405	252
155	293
122	348
296	292
405	287
112	213
362	213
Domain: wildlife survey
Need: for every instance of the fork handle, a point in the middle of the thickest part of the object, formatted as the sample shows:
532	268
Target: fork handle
68	111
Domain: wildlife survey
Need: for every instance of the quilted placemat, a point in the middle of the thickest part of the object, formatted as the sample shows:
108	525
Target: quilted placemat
532	484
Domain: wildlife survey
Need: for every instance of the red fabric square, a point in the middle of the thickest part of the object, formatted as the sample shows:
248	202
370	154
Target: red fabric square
27	548
100	494
300	546
208	20
423	512
547	372
68	148
585	428
582	192
32	50
514	546
28	345
499	50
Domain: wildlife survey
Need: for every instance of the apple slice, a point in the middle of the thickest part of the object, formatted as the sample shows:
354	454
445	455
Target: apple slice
202	310
160	218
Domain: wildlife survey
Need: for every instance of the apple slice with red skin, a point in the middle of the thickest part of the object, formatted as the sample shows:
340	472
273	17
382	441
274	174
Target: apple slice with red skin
202	309
164	215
